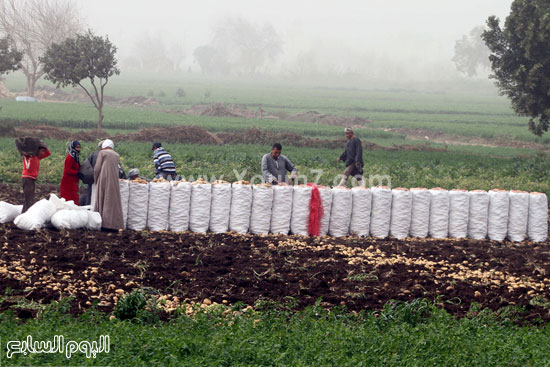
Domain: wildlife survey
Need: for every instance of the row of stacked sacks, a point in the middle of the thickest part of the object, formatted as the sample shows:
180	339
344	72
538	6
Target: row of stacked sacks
220	206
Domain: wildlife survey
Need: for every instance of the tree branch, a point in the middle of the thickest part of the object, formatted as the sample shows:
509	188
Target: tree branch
89	95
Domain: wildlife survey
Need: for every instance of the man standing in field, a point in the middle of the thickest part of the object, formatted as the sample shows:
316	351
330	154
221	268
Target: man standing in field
275	166
353	158
164	164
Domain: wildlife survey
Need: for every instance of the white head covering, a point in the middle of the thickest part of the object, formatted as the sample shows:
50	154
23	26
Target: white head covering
108	143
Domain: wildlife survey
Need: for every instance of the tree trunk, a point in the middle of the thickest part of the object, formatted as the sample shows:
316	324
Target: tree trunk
100	118
30	85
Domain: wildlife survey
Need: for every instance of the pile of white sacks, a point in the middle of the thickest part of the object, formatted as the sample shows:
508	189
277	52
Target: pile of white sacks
379	211
55	211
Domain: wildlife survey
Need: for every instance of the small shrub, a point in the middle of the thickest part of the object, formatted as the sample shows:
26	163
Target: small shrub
180	93
130	305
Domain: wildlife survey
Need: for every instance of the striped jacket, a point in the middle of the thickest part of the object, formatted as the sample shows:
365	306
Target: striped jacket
163	162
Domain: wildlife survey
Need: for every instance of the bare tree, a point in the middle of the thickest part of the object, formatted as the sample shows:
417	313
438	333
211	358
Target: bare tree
246	46
34	25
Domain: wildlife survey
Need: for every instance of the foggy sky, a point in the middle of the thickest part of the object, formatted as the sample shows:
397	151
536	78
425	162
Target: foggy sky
419	32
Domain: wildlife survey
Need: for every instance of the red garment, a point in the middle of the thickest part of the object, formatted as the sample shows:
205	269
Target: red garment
316	211
69	183
31	165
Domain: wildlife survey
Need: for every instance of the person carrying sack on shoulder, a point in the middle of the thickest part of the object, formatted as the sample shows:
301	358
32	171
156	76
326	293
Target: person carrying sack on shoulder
31	168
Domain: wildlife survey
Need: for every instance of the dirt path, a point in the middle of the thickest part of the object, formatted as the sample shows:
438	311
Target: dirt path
450	139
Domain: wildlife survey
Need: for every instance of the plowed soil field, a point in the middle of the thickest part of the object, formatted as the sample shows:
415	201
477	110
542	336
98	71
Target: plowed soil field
97	267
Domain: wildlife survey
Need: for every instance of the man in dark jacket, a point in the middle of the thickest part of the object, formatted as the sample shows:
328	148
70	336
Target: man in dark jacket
353	158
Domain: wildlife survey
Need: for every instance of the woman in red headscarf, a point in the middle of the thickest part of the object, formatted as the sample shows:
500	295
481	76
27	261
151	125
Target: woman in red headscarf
69	183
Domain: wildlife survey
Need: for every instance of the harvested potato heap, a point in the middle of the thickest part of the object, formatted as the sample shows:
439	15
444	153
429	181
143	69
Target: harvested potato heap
140	181
159	180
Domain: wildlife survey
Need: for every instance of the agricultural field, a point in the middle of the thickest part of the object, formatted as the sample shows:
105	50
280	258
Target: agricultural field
226	299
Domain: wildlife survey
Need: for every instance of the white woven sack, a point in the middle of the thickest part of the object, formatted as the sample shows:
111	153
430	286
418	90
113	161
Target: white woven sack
159	206
262	202
381	212
70	219
37	216
124	196
420	212
62	204
499	205
220	207
459	210
360	212
180	202
518	215
138	201
326	199
537	225
241	204
439	213
76	219
299	221
199	211
281	209
8	212
93	197
94	220
340	213
401	209
479	214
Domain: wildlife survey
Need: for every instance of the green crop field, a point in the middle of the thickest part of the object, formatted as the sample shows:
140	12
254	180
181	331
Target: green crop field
406	334
453	169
